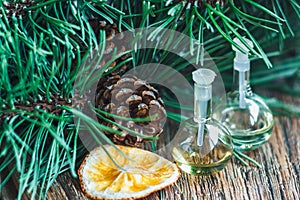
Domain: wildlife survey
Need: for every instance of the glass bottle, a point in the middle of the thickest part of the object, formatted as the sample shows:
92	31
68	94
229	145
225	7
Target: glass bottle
202	146
245	114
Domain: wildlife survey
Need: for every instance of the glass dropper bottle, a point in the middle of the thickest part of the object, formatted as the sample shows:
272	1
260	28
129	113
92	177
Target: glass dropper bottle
202	146
245	114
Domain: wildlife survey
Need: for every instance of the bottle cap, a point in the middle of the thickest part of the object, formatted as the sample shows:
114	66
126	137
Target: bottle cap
204	76
241	60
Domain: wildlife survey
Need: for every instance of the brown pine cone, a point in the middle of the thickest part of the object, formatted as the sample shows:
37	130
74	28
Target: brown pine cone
115	39
17	7
130	97
125	96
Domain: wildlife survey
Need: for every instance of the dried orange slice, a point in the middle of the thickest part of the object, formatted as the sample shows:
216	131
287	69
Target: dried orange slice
135	175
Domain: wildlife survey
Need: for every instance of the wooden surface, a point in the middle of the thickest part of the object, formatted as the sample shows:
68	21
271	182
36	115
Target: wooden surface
278	178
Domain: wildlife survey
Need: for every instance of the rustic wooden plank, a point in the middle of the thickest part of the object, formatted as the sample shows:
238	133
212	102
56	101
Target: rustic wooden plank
277	179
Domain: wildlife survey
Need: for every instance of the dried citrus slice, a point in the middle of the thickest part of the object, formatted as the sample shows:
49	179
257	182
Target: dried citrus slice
135	175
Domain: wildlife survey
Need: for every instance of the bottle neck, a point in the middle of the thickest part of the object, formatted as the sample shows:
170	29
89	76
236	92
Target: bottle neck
202	102
236	82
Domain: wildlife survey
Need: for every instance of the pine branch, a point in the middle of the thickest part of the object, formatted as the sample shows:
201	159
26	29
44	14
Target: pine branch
41	54
230	20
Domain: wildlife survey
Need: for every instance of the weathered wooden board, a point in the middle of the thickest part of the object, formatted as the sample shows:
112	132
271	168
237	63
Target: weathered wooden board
277	179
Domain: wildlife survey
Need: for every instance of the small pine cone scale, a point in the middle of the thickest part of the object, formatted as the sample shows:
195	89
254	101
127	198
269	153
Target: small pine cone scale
127	96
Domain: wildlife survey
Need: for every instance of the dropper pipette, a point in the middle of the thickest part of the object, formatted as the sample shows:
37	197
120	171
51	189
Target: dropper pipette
203	93
242	65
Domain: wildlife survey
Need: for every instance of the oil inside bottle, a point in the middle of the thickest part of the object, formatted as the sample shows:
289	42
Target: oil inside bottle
207	159
251	126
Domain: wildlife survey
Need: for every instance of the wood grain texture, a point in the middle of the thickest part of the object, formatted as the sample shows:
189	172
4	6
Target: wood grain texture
277	179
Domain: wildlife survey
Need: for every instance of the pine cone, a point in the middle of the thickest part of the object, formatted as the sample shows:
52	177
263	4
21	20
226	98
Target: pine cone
126	96
17	8
130	97
114	39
